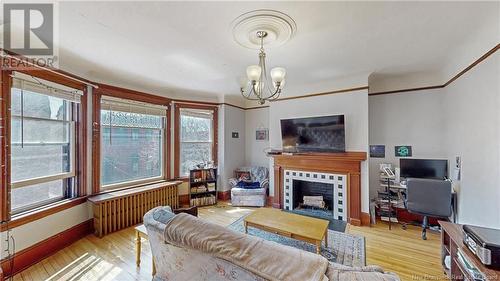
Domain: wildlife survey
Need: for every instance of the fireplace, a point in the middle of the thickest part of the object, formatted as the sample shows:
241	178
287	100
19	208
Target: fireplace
346	191
329	187
322	191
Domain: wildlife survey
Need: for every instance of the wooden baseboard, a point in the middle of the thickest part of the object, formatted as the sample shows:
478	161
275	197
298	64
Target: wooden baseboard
184	200
365	219
35	253
355	222
269	201
224	195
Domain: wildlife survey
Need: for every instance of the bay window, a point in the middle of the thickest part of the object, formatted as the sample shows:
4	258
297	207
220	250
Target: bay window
196	138
133	139
43	150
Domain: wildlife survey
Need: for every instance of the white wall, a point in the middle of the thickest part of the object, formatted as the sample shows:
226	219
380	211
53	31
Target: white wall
473	133
234	148
462	119
410	118
254	149
354	105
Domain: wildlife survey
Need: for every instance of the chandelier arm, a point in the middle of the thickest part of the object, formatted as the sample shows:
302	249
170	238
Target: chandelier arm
250	90
265	83
248	97
277	96
278	91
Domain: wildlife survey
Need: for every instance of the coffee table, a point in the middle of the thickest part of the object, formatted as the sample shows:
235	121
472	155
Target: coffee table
311	230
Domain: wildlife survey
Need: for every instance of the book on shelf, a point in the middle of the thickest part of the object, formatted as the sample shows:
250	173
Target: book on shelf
210	175
202	175
393	219
211	186
198	189
205	200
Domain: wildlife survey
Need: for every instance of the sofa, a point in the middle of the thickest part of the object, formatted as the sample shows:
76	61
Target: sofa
251	197
185	247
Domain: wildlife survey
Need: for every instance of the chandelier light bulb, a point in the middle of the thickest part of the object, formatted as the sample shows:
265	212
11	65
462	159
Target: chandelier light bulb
278	74
243	81
254	72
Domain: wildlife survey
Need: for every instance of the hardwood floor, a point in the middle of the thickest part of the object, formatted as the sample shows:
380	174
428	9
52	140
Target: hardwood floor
113	256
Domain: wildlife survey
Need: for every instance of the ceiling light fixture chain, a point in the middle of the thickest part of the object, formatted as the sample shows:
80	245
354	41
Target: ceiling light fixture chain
256	86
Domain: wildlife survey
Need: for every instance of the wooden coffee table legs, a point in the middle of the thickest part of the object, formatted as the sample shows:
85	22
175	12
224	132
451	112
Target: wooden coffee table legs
318	243
140	232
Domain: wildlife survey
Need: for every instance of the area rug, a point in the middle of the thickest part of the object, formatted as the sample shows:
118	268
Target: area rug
342	248
336	225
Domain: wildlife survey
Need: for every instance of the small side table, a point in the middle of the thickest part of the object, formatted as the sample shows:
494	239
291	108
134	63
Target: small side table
140	232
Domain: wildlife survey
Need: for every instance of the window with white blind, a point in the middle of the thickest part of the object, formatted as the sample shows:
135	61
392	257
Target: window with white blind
195	139
132	142
43	152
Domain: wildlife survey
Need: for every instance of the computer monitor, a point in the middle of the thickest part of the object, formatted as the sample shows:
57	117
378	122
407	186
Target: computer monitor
424	168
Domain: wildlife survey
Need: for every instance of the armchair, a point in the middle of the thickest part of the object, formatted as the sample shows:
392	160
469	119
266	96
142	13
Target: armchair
254	197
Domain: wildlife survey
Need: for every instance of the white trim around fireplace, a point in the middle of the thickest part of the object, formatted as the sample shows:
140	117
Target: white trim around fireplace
339	182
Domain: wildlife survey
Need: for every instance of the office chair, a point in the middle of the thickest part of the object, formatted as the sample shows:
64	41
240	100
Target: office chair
428	197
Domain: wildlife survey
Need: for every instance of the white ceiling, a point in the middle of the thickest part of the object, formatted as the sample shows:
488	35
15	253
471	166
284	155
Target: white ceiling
182	49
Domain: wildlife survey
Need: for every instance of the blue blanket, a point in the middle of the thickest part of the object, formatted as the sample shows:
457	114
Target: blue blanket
248	185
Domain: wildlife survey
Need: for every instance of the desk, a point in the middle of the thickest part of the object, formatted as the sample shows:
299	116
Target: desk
454	199
400	189
140	232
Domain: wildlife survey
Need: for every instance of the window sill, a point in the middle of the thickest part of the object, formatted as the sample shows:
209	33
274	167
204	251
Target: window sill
183	179
36	214
115	194
131	186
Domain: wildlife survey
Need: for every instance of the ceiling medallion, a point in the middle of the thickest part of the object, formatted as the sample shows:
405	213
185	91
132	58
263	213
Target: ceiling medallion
279	27
254	30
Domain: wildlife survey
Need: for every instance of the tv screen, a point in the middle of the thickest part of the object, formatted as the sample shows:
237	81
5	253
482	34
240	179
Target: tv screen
313	134
424	168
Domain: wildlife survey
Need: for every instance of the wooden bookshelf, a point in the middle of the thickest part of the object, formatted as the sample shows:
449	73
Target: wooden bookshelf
203	187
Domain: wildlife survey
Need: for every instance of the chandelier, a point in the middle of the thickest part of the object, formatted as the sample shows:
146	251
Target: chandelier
256	85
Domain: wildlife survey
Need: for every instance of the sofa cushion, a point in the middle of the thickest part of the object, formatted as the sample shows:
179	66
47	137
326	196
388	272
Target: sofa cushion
163	214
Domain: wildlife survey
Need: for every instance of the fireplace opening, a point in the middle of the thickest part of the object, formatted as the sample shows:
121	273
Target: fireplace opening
315	198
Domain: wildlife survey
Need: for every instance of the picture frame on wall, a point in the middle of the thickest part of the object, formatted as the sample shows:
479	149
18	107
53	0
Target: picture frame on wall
261	134
403	151
377	151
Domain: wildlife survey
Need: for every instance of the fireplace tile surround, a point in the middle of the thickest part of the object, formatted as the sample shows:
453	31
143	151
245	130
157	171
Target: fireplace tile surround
337	183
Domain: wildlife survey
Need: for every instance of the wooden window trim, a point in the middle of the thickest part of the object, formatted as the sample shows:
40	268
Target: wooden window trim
5	145
41	212
177	139
113	91
81	140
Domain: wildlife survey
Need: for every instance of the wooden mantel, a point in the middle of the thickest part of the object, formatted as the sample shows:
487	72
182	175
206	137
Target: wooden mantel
348	163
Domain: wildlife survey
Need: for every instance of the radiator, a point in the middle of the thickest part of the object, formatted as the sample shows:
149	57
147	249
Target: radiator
120	209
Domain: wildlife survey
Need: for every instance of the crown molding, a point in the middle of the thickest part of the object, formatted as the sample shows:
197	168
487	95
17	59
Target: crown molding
451	80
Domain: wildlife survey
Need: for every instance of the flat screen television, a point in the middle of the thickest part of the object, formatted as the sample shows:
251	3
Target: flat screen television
313	134
424	168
